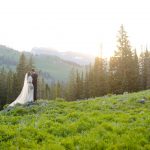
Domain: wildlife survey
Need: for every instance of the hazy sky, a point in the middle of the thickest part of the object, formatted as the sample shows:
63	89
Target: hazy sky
75	25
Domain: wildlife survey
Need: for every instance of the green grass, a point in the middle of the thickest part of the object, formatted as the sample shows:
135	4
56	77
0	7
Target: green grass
110	122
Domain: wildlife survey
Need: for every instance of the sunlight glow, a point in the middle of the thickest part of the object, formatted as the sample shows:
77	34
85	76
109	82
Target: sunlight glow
80	25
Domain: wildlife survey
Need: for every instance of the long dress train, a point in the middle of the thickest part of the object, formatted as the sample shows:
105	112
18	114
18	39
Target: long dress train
26	94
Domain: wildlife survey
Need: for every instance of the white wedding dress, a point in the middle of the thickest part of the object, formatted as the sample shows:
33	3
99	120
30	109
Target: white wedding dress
26	94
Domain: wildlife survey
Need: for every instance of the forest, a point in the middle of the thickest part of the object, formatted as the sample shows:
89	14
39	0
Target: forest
126	71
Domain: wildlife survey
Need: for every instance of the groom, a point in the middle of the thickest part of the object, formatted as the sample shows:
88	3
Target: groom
34	82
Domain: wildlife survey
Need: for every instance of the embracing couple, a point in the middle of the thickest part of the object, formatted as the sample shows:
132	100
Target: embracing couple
29	90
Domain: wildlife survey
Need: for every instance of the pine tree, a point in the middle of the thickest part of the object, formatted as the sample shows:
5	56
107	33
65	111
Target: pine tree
41	88
30	64
71	87
14	87
141	71
100	76
58	90
3	88
135	80
53	91
145	69
97	73
21	70
91	82
123	59
78	86
86	85
10	86
82	85
47	91
115	75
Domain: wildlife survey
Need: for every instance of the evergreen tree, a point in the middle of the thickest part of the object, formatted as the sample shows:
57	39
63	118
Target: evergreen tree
86	85
145	70
135	80
41	88
30	64
10	86
141	71
3	88
21	70
91	82
53	91
58	90
97	73
14	87
47	91
124	58
71	87
100	77
82	85
78	86
115	75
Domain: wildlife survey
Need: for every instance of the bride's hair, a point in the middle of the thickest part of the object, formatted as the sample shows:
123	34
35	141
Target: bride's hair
29	73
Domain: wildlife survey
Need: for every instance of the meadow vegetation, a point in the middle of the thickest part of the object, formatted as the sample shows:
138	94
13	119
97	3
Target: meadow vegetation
113	122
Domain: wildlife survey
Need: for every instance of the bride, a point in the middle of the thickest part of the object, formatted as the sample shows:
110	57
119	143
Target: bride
26	94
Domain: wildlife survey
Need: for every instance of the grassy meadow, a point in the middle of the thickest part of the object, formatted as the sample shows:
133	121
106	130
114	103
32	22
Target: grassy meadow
112	122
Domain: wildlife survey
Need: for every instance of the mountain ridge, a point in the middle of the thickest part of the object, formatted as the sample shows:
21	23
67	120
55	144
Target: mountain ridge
57	68
77	57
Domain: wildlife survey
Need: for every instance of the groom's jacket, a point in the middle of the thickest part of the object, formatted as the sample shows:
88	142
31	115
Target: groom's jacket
34	77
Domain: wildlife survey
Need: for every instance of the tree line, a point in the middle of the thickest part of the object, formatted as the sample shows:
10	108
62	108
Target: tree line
125	71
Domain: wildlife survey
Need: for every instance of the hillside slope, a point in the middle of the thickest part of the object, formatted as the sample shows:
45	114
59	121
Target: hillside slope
76	57
54	67
110	122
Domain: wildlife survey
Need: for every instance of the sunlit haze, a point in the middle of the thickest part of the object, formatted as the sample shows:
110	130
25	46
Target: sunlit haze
67	25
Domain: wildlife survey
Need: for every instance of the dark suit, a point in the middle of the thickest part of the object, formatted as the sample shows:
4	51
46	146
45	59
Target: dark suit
34	82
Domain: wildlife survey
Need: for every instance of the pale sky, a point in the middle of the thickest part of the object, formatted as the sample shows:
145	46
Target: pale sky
74	25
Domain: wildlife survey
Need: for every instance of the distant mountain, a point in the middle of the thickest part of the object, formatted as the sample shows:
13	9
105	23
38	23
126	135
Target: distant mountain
77	57
51	67
8	57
